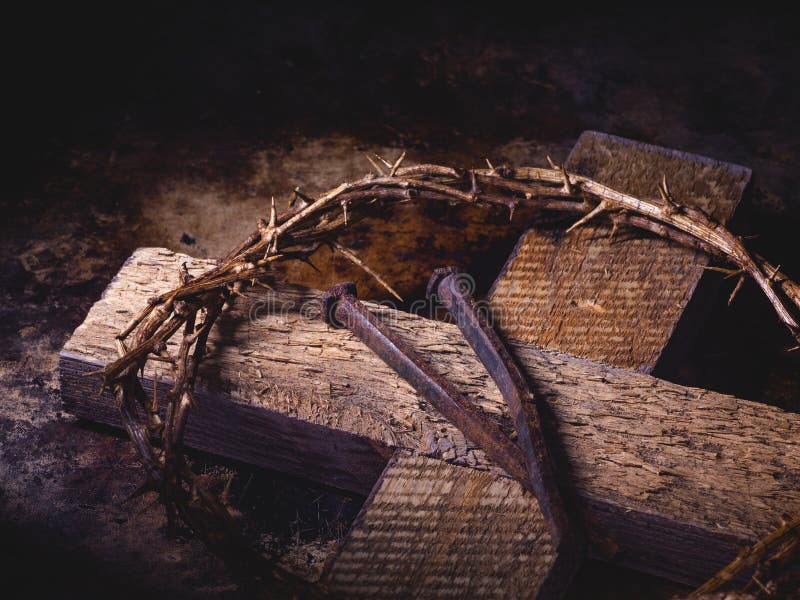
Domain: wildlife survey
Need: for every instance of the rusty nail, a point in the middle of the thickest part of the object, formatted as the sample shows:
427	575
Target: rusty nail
452	288
341	308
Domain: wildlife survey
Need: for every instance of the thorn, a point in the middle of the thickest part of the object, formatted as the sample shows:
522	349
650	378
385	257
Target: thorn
666	196
272	243
383	160
375	165
344	210
273	214
794	348
761	585
727	272
734	273
474	189
512	206
736	289
94	373
103	388
397	164
297	194
567	184
491	167
772	275
236	292
665	188
354	258
614	229
588	217
553	165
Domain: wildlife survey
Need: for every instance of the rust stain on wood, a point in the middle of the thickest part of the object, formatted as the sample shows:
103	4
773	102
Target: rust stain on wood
616	302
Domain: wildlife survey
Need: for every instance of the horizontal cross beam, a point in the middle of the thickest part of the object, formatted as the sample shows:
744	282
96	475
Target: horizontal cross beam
669	479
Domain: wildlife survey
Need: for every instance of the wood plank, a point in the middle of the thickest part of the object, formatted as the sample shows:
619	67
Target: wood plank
434	530
618	303
412	541
669	478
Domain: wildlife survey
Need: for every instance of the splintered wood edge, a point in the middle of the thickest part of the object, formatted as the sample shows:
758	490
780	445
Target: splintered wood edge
668	478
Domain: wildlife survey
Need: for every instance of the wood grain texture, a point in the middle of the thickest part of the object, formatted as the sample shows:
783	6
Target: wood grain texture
669	478
615	302
434	530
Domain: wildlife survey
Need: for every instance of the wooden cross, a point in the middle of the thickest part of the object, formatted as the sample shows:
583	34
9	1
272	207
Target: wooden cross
669	479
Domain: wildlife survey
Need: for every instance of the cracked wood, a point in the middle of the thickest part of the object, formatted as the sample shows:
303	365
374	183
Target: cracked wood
669	478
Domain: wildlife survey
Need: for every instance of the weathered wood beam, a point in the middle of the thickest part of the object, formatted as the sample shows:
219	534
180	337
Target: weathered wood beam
432	530
634	304
669	478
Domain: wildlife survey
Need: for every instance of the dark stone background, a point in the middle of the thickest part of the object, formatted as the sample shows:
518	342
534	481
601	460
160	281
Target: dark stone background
146	124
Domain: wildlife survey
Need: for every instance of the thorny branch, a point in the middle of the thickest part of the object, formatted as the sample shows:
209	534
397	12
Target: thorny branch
779	545
311	223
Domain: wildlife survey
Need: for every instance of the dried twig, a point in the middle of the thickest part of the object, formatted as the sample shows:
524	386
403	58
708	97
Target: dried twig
312	222
779	542
353	257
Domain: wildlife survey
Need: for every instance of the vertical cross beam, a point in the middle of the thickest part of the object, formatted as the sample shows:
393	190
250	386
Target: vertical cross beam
630	304
630	301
